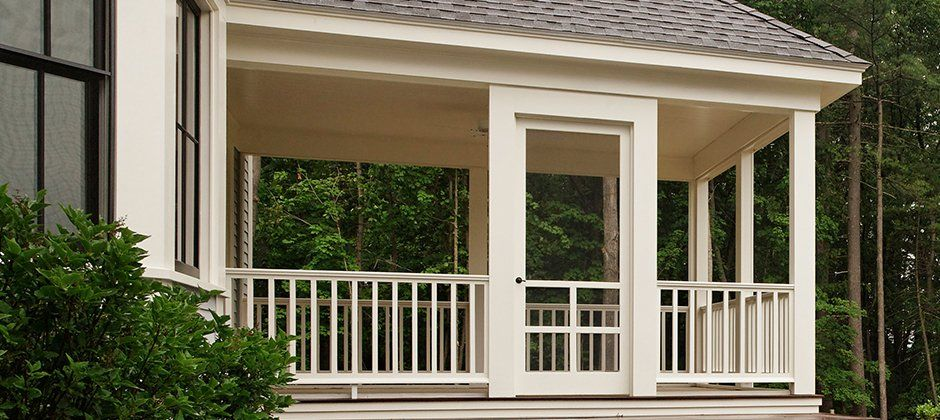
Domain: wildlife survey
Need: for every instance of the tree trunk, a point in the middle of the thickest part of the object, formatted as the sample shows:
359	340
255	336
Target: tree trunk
882	381
931	256
611	247
611	250
854	231
920	315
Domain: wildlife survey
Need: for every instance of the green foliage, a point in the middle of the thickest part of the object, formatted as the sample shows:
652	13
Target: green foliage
833	353
83	334
927	411
564	227
309	214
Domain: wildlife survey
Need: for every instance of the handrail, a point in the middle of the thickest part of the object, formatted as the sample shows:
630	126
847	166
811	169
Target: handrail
709	285
326	275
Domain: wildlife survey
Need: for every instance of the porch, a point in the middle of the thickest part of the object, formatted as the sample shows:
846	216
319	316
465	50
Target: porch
502	331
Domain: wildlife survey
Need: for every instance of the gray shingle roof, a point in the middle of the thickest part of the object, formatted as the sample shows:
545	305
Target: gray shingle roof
718	25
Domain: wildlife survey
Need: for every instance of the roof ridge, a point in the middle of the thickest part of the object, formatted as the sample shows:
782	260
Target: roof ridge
795	32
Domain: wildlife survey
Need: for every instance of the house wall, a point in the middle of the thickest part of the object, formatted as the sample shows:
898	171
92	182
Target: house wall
144	168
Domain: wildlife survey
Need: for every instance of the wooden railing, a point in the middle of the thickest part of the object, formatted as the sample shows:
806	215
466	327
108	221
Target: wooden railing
733	333
355	328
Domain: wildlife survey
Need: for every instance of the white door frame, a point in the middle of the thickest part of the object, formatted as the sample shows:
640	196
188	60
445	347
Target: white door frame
575	381
513	111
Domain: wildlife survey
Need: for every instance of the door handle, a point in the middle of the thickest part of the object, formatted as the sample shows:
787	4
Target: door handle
520	280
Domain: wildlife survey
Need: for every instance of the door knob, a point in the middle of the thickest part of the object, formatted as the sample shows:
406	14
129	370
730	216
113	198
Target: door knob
520	280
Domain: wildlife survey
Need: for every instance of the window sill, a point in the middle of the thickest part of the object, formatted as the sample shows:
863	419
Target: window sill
181	279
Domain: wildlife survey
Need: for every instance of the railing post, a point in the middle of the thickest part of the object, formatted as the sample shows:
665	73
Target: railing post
803	247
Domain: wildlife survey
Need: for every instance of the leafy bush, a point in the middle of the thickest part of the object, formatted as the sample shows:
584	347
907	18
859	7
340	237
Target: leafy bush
83	334
834	356
928	411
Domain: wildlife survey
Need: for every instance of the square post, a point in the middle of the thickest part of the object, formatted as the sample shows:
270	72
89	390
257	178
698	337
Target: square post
744	217
507	160
642	250
699	265
803	248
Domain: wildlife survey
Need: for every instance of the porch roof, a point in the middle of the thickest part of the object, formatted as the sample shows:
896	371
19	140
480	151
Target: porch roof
707	25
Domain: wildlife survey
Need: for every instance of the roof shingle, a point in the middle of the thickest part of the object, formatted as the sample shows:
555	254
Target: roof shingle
723	25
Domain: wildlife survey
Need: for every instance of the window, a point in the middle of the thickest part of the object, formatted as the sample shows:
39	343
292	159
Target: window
187	137
54	110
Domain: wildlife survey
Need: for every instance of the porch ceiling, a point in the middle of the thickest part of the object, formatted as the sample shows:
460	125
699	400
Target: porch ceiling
327	117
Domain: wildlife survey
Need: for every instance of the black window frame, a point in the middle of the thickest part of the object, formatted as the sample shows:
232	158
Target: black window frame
184	135
99	102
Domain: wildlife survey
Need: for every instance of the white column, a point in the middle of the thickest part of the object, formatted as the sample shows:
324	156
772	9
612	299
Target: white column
744	217
477	246
699	262
803	248
507	242
215	159
645	302
744	241
700	231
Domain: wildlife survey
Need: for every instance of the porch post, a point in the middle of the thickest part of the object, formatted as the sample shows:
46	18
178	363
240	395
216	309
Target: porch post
477	247
744	217
699	262
645	297
506	240
699	231
802	248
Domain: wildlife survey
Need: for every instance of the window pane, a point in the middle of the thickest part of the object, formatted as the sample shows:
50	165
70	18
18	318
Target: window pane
21	24
64	146
72	30
18	129
192	81
179	62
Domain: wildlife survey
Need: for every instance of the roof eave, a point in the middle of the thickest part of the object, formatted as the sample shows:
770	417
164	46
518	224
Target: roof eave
855	66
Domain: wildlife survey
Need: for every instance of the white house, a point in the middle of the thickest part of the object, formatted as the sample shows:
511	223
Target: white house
156	110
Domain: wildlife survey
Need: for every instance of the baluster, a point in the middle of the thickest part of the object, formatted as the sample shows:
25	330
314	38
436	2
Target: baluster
675	330
725	334
708	331
395	322
759	335
375	326
314	328
471	331
574	363
741	327
334	335
292	319
303	338
433	315
272	328
691	332
250	299
453	328
775	312
414	327
662	337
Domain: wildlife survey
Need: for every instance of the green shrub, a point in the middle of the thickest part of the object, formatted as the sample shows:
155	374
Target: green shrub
927	411
83	334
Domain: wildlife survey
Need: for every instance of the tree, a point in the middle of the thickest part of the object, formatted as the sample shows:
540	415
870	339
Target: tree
83	334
